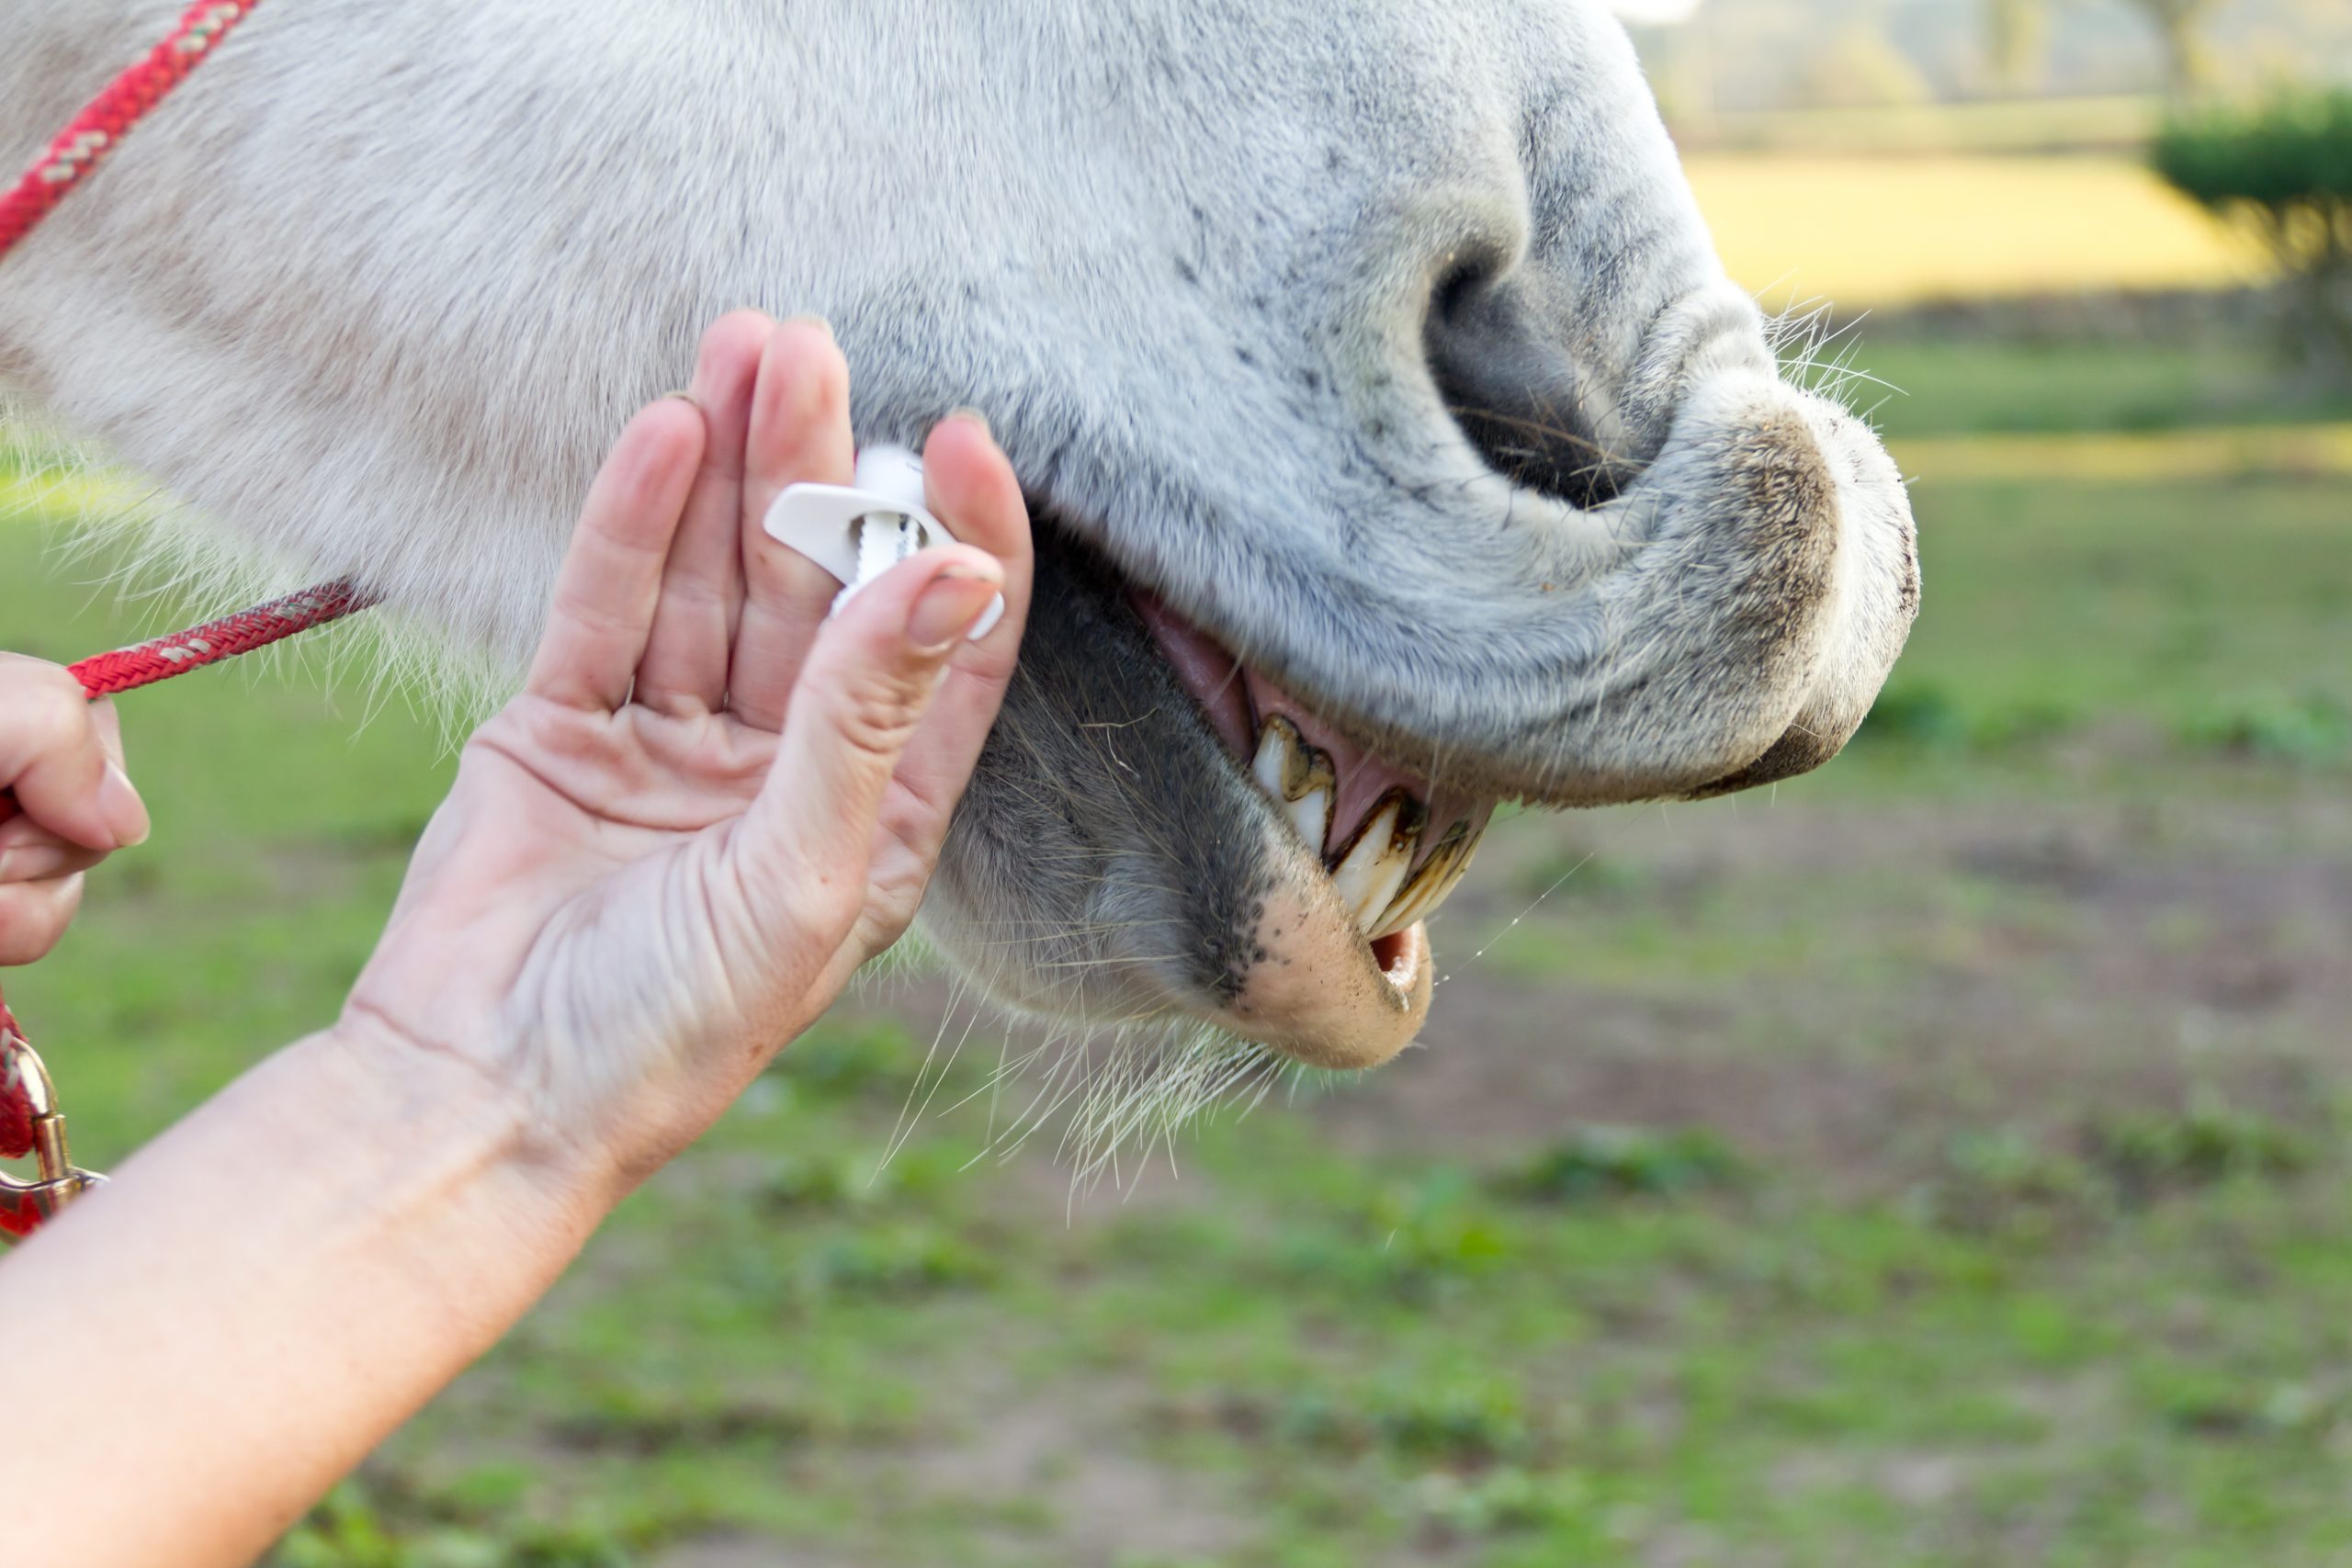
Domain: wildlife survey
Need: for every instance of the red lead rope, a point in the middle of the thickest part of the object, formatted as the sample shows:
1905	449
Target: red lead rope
127	670
30	1124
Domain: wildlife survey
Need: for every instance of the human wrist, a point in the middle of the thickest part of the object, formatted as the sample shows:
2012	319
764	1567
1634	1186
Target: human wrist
431	1106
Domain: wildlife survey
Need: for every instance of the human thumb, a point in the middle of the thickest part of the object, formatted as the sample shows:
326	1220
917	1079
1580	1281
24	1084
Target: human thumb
861	696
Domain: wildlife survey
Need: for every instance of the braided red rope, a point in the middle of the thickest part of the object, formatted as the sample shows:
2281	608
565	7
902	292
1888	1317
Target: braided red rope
69	160
83	144
127	668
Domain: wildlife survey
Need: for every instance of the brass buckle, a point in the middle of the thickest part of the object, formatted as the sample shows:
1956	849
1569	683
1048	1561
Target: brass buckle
31	1125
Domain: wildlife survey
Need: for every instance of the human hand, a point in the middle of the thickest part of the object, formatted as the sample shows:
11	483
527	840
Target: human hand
709	804
60	756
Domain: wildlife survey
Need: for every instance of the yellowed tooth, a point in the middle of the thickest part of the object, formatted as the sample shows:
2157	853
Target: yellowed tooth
1414	901
1311	815
1297	775
1438	877
1276	742
1377	864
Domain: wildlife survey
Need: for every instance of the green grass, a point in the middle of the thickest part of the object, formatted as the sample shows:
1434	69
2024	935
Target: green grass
2165	605
1955	1176
1963	388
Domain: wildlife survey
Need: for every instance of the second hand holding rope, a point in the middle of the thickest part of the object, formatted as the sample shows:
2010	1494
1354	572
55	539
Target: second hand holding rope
30	1124
127	668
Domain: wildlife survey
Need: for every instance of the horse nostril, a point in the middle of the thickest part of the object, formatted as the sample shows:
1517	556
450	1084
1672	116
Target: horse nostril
1455	287
1513	388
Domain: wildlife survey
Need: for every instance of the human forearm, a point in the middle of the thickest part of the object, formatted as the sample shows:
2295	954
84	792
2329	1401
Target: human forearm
266	1293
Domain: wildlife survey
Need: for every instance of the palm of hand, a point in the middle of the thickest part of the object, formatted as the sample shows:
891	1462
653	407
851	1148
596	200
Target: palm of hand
630	903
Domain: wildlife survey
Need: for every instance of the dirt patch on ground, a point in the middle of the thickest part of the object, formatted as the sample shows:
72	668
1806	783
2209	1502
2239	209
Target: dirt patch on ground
1074	1456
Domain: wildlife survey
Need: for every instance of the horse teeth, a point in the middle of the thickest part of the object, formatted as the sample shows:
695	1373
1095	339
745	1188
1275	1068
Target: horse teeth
1437	878
1300	778
1276	742
1377	864
1311	815
1373	871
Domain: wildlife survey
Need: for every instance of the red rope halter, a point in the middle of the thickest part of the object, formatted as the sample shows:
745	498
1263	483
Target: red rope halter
29	1123
94	133
69	160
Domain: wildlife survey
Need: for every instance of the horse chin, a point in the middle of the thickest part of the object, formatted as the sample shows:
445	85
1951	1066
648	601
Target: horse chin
1153	838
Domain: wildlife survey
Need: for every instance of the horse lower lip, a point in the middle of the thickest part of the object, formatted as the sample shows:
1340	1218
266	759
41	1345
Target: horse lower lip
1332	998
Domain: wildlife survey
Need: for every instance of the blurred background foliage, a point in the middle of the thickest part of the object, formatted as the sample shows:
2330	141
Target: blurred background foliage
1937	1160
2283	165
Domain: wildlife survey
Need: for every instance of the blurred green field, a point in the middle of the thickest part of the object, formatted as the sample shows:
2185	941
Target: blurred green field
1937	1160
1943	388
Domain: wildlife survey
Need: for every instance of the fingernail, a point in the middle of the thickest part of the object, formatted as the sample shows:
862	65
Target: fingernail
811	319
125	813
975	415
681	394
947	608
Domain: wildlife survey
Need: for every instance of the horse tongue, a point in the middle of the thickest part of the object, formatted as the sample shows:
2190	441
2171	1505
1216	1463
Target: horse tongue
1365	779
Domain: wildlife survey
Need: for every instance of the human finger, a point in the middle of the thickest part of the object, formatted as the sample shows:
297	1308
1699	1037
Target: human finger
60	757
685	669
30	853
870	678
610	582
799	435
970	485
33	915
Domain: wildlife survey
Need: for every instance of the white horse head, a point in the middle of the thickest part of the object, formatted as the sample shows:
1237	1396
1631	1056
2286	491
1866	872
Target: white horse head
1393	431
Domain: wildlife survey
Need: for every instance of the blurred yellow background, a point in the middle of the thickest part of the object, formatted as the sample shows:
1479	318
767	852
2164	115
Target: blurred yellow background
1871	232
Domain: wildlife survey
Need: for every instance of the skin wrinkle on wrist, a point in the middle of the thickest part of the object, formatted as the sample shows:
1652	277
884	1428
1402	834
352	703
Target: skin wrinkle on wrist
436	1078
434	1193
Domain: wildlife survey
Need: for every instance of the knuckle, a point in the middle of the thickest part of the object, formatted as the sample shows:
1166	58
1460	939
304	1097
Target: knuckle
880	712
49	682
